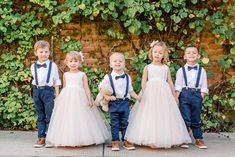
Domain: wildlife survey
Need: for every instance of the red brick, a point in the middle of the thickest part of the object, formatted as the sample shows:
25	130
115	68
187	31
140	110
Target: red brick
71	26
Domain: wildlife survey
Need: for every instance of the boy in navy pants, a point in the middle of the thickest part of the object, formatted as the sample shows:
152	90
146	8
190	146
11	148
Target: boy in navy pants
45	87
191	86
119	107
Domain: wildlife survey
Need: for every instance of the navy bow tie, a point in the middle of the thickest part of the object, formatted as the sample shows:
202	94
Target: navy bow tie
121	76
41	65
190	68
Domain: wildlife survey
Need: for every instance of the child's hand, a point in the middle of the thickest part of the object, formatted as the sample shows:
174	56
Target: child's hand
203	94
138	99
177	101
109	98
90	103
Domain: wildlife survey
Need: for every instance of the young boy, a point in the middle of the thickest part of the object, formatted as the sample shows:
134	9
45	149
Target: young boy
45	87
119	107
191	86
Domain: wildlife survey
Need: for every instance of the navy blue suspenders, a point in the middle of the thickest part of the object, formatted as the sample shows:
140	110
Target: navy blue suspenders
112	85
198	77
48	74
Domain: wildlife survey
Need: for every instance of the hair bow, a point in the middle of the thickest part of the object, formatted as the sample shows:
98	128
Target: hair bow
153	43
81	55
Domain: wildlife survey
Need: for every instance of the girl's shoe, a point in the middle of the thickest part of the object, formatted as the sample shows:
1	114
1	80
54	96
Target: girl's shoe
184	145
129	146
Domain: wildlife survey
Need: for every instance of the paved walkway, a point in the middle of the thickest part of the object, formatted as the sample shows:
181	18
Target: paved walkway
20	143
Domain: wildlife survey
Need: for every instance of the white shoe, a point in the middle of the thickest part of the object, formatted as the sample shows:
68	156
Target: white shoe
184	145
49	145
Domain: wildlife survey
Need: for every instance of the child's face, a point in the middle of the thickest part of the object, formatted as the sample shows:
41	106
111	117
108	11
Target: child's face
72	63
191	54
117	62
43	54
158	53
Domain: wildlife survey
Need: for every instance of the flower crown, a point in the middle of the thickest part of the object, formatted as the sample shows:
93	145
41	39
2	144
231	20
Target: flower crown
154	43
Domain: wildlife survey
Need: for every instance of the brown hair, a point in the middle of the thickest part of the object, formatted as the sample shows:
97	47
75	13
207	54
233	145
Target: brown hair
74	55
193	46
162	44
41	44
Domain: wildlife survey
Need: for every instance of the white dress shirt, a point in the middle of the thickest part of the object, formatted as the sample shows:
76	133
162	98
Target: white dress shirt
119	84
191	78
43	72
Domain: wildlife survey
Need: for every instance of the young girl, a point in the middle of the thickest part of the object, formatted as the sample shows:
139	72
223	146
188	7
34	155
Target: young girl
75	121
156	121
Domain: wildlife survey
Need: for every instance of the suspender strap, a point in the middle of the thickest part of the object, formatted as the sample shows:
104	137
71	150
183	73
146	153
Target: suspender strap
198	76
112	85
127	85
49	72
185	77
35	73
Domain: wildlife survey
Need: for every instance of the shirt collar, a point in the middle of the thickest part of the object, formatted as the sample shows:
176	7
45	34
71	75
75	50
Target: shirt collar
47	61
187	65
113	73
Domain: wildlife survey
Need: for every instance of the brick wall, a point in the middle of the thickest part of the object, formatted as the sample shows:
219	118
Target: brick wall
97	46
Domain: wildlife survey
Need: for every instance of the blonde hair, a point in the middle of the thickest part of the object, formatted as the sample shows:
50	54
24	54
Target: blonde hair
41	44
78	56
116	54
163	45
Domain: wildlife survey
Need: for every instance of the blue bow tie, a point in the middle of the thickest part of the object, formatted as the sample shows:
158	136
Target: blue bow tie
41	65
190	68
121	76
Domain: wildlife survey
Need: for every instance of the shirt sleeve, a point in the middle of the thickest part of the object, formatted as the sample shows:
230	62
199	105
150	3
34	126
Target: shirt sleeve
32	70
130	85
204	86
104	81
57	81
179	80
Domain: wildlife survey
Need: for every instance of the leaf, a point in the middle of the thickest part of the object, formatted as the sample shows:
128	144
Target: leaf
194	1
82	6
232	50
132	29
111	6
176	18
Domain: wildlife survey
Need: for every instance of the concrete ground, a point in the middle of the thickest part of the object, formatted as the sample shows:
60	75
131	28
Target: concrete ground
20	144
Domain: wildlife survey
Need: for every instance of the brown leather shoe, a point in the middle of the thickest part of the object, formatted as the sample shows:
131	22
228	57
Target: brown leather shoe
200	144
129	146
40	143
115	146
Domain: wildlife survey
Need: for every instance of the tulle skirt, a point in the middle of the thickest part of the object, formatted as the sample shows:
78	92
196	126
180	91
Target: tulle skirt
73	123
157	121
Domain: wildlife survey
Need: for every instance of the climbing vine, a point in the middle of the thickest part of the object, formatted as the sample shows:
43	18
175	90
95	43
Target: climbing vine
176	22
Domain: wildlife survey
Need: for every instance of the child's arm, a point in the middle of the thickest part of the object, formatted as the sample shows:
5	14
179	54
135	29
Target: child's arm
134	95
57	90
144	79
103	82
177	93
107	97
170	82
64	81
204	87
57	81
87	90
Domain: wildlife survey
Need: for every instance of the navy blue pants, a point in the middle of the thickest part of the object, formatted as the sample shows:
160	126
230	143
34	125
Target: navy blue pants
44	103
119	112
190	108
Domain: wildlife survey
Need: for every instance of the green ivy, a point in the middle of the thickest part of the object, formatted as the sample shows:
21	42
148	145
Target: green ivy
22	23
